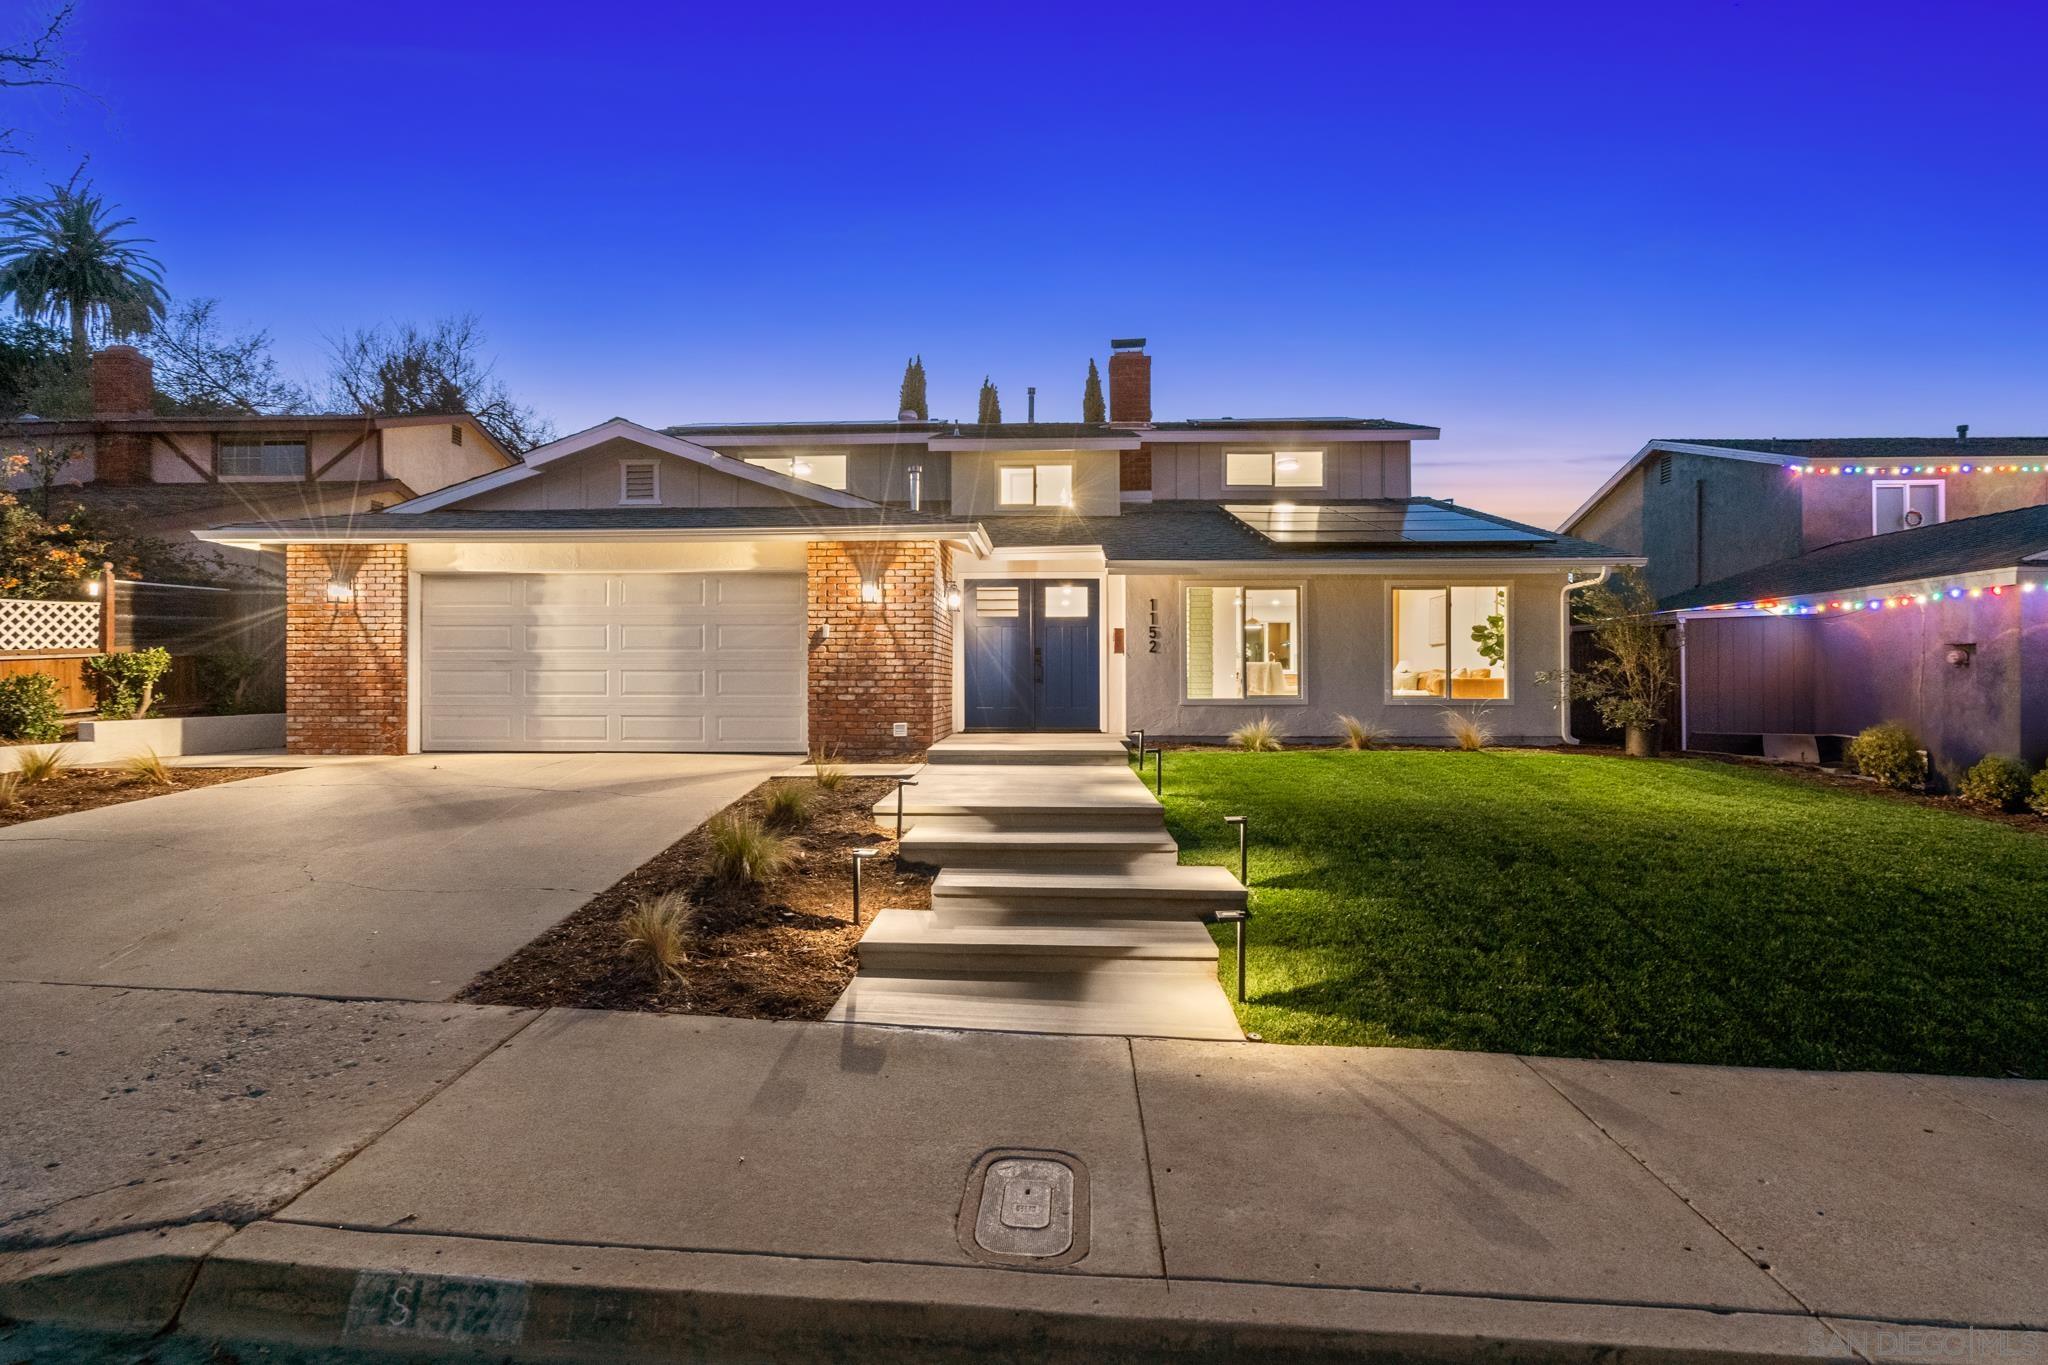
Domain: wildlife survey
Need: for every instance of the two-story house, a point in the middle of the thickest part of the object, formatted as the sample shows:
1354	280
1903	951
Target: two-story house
870	587
1822	586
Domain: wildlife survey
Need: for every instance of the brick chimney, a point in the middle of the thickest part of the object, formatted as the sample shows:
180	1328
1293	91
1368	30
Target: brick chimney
123	385
1130	381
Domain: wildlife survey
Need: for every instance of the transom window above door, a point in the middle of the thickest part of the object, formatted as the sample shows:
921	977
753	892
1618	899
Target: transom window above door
1906	503
1035	485
246	457
1273	469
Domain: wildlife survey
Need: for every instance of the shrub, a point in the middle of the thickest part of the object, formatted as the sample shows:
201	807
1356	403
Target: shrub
1890	753
1995	781
743	850
31	708
127	682
1259	736
148	767
1359	735
787	805
10	789
2037	800
655	934
40	765
1471	733
831	772
226	677
1634	671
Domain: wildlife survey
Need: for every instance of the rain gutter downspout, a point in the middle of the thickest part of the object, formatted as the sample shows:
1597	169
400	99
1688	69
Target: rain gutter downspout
1564	649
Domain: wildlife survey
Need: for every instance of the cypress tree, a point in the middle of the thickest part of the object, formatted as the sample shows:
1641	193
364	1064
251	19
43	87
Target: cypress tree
991	409
910	398
1092	409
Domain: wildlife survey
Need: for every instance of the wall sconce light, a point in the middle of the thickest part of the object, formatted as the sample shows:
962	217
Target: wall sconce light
338	591
92	588
953	597
871	592
1959	654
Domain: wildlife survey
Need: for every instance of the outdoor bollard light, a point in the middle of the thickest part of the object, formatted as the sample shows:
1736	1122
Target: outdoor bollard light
1238	917
1141	749
1243	867
860	855
1158	771
901	783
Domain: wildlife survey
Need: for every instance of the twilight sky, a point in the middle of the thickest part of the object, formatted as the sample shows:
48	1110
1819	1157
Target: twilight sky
1555	231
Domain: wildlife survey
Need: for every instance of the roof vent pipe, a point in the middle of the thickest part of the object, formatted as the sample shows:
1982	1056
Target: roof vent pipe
917	488
1031	404
1962	431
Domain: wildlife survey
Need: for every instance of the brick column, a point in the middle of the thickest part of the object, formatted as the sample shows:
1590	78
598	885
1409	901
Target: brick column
875	665
344	658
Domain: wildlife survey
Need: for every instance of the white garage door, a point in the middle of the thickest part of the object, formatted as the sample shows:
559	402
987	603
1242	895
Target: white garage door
612	661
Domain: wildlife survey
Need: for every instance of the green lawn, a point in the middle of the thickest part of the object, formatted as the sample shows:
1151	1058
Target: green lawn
1592	906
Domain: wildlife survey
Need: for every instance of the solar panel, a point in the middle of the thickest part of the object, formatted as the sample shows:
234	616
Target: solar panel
1377	524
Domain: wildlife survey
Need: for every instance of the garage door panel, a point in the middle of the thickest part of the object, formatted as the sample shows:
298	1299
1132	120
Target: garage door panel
618	661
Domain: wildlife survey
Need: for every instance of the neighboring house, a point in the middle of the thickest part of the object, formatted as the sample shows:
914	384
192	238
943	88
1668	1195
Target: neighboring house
1822	586
867	588
1701	510
171	475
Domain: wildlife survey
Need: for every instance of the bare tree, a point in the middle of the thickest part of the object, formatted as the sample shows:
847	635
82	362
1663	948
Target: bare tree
203	370
439	370
36	59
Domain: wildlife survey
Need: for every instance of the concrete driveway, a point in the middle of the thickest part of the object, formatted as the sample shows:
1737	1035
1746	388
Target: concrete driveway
387	878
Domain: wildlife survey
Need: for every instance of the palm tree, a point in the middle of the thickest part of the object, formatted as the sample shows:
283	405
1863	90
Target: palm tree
61	259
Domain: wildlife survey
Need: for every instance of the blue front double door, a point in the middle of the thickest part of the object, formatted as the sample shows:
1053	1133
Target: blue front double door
1033	655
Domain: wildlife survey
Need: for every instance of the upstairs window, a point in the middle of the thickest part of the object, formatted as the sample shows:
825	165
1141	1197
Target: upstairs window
1903	504
1035	485
1450	643
639	481
261	457
1273	469
827	470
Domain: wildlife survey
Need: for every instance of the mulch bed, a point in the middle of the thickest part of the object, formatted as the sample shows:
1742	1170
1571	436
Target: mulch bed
77	789
784	950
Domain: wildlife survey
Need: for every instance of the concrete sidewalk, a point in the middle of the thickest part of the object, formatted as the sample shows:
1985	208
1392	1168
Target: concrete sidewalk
610	1186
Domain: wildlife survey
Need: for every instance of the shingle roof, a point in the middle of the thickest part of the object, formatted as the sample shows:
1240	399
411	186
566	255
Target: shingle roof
1884	449
614	519
1175	531
1998	540
1226	424
918	431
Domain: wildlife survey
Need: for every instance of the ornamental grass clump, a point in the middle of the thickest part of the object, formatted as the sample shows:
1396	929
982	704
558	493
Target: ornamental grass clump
830	771
1470	733
40	765
1260	736
10	790
1889	753
149	767
744	851
787	805
1360	735
1995	782
655	934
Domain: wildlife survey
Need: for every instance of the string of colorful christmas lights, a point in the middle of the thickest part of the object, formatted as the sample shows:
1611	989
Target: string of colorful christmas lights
1901	470
1778	606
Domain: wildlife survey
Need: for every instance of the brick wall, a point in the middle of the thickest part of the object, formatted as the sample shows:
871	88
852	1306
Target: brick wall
123	385
345	687
1130	386
1135	471
875	665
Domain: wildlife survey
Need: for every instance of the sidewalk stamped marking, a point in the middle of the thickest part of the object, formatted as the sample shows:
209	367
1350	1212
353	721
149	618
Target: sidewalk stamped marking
452	1308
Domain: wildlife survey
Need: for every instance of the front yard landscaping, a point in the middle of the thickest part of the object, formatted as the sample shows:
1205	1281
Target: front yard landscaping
1574	904
77	789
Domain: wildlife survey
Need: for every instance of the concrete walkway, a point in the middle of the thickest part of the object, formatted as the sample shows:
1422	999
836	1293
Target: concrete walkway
1060	905
622	1187
390	878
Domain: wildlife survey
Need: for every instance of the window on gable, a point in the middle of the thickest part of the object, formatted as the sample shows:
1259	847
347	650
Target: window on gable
1902	505
828	470
639	481
1273	469
252	457
1035	485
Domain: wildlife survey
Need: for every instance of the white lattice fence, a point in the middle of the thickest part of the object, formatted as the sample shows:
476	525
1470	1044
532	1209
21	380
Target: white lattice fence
28	625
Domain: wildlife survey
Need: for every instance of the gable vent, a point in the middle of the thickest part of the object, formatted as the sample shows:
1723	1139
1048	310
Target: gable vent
638	481
1664	469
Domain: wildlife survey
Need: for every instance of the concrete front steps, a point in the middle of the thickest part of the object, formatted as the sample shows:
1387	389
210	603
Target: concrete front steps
1060	904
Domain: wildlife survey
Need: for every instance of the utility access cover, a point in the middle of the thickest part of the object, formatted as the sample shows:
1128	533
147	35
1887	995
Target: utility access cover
1026	1208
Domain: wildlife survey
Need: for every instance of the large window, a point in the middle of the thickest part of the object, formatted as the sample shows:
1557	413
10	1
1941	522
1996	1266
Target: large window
1451	642
1243	642
1035	485
1273	469
261	457
1902	506
829	470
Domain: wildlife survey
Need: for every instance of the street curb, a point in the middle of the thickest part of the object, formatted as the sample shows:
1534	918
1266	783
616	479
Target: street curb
323	1288
133	1282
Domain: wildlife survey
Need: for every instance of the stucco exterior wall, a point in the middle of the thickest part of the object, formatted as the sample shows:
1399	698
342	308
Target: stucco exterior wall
591	479
1616	521
1351	469
1837	507
1346	659
77	467
975	486
359	465
1714	517
424	458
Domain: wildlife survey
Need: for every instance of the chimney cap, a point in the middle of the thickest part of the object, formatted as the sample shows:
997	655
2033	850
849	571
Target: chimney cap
1127	343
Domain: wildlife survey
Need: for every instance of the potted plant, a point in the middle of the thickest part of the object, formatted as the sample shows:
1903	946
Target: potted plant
1632	679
